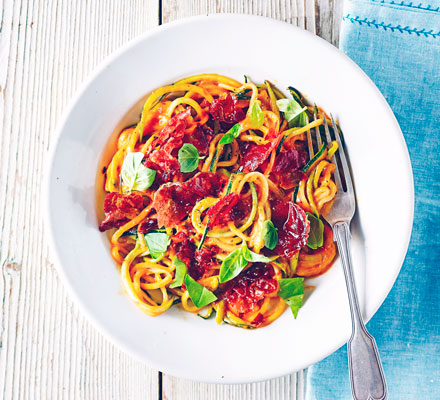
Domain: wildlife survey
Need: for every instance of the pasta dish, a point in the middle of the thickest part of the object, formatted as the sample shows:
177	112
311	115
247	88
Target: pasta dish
215	201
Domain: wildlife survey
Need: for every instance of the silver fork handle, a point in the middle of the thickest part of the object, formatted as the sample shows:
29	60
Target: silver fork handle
366	373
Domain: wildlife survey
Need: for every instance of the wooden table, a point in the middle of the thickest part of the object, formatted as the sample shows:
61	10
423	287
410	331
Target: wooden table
48	350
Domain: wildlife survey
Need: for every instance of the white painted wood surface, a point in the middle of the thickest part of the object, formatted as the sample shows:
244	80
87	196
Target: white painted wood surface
48	350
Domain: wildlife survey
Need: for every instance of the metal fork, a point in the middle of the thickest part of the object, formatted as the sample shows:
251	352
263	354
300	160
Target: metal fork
366	373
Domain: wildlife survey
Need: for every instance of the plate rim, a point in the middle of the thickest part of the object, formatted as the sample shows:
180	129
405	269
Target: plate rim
75	99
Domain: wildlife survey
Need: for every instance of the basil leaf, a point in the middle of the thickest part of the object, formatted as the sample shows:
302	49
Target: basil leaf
200	296
316	235
180	273
257	117
253	257
303	119
292	292
230	135
232	265
292	111
269	234
135	175
294	263
188	157
157	243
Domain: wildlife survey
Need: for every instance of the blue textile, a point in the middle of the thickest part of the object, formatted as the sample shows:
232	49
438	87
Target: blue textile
398	45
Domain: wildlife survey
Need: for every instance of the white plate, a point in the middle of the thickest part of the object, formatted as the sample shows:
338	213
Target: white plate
182	344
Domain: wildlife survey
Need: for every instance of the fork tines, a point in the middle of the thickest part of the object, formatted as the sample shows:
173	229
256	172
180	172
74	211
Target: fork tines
342	172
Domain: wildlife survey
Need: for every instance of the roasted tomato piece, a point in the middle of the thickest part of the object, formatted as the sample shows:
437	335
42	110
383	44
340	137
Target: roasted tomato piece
196	261
120	208
175	127
164	163
147	225
174	201
200	138
205	184
163	160
221	208
237	212
243	293
205	257
293	227
185	251
253	155
225	109
286	169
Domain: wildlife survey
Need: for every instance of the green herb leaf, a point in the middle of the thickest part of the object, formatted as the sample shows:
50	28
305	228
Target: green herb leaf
303	119
135	175
157	243
188	157
294	263
269	234
253	257
292	112
180	273
316	235
230	135
257	117
200	296
292	292
232	265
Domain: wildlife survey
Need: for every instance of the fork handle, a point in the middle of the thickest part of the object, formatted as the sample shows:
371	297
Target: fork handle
366	373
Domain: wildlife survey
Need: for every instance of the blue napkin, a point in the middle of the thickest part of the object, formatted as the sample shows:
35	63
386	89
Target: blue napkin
397	43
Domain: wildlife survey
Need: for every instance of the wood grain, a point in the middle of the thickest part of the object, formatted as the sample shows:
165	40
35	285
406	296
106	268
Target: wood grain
48	350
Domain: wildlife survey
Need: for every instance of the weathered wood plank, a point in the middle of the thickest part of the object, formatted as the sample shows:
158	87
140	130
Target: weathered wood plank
48	350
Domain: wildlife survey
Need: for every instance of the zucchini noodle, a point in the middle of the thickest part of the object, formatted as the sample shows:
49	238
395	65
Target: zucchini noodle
200	216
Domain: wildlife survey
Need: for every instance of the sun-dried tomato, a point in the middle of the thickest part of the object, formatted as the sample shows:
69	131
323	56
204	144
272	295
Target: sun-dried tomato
243	293
163	160
293	227
120	208
174	201
253	155
225	109
221	208
286	170
164	163
200	138
197	261
174	128
147	225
